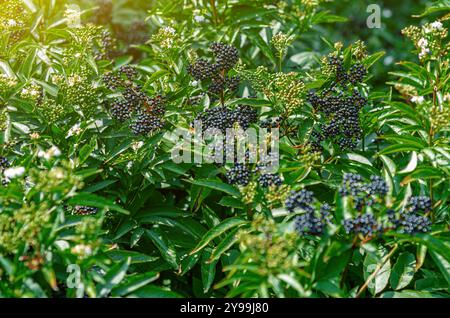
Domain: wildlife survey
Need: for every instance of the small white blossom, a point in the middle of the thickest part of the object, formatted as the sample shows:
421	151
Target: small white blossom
422	43
417	99
14	172
12	23
194	83
52	152
137	145
447	97
437	25
199	18
82	250
169	30
129	164
74	131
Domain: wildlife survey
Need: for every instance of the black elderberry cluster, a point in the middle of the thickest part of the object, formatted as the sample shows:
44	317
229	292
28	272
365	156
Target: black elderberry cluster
226	55
225	58
145	123
84	210
310	222
107	47
339	109
239	174
411	223
411	220
301	200
420	203
365	224
223	118
268	179
144	112
270	123
313	224
355	74
363	193
4	163
341	119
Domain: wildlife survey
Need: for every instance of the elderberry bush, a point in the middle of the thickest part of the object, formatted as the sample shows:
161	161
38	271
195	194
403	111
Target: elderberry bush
105	170
144	112
215	72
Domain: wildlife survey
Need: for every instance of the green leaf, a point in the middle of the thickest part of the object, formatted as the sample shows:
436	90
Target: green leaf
153	291
357	158
231	202
251	102
403	271
442	264
165	248
292	282
86	151
370	60
258	41
437	6
430	241
217	231
411	165
405	109
399	148
224	245
133	283
411	294
89	199
381	279
113	277
426	173
208	270
217	185
407	140
135	257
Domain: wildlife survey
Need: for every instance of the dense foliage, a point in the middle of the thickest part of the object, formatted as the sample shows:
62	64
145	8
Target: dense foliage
92	203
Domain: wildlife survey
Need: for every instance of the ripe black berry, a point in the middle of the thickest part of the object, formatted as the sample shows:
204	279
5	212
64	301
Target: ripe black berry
300	200
121	110
4	163
129	71
365	224
202	70
223	118
420	203
266	180
357	73
239	174
146	123
411	223
226	55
